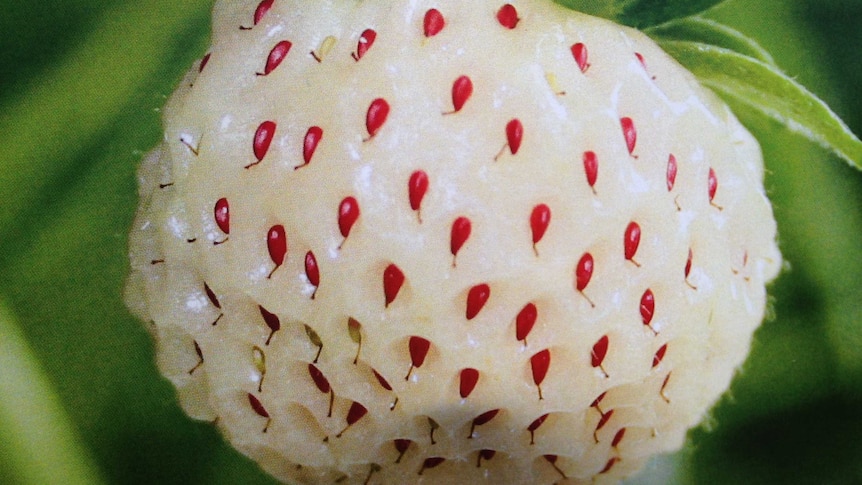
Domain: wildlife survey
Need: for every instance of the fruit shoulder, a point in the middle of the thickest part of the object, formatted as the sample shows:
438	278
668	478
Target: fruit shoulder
342	245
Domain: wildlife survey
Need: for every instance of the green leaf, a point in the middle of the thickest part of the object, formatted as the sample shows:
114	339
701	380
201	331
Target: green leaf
640	13
707	31
762	87
44	447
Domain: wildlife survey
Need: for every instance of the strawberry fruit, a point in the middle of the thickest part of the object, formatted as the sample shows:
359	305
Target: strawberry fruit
463	241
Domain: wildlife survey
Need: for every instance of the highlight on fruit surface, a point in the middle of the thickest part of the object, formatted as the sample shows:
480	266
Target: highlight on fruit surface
463	242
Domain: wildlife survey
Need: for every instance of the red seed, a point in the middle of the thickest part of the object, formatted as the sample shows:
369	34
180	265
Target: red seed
319	379
618	437
366	40
671	172
631	241
508	16
354	329
688	263
348	213
271	321
204	61
647	307
610	464
659	355
642	61
712	184
431	463
261	11
514	134
461	229
584	272
552	459
418	347
212	296
276	55
601	424
600	350
276	243
393	279
597	401
539	364
355	413
401	446
378	111
309	145
485	455
262	139
417	187
524	321
476	299
312	271
221	212
257	406
535	425
433	23
579	52
382	380
591	169
462	89
485	417
539	220
629	133
469	379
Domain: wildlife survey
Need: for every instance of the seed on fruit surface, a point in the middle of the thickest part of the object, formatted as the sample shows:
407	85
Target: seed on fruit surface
200	355
322	384
476	299
468	379
535	425
525	321
671	172
261	11
462	89
591	169
600	350
629	133
484	455
259	359
315	340
508	16
276	56
348	213
401	446
309	144
552	459
418	348
712	186
258	408
211	296
312	272
514	136
385	385
377	113
482	419
276	243
433	22
610	464
539	364
540	218
643	63
603	420
434	426
431	463
598	401
393	279
221	214
354	329
204	61
417	187
323	50
621	433
459	234
272	321
659	355
366	40
647	309
356	412
579	52
583	275
262	139
631	242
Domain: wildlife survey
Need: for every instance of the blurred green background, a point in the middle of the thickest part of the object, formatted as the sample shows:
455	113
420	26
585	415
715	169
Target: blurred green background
81	83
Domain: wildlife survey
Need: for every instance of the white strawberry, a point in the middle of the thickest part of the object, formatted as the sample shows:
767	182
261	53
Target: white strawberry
448	241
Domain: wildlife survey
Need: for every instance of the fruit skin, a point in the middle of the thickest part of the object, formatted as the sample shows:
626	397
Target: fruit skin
626	352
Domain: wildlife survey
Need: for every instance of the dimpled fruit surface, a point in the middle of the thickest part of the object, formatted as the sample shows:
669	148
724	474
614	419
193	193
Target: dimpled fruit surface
447	242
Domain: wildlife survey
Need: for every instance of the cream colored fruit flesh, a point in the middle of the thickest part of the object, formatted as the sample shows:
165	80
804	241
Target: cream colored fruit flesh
654	382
